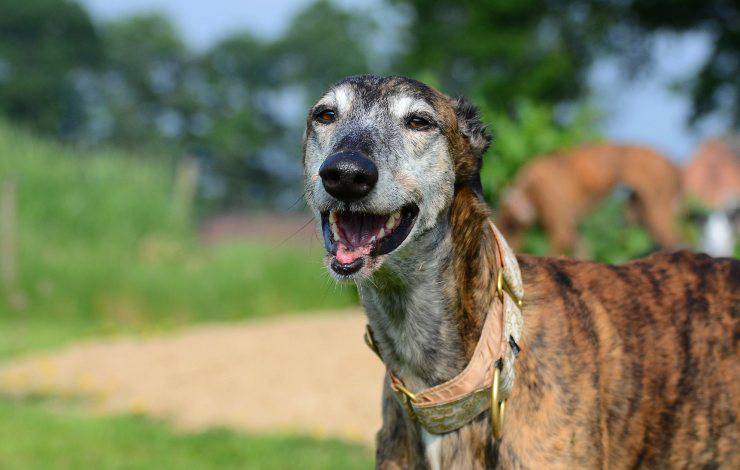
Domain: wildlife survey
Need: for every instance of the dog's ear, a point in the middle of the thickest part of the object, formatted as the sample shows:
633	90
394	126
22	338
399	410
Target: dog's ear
471	126
476	139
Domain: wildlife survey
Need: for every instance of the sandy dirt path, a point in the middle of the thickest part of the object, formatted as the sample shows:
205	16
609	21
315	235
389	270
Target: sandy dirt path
309	374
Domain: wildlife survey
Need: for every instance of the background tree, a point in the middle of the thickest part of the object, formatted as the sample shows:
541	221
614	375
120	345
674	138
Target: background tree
717	85
44	44
501	51
239	124
147	88
322	44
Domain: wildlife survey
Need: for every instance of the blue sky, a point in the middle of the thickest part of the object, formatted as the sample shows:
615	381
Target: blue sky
643	111
205	21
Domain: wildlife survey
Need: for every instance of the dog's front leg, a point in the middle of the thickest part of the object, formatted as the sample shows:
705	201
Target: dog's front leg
398	442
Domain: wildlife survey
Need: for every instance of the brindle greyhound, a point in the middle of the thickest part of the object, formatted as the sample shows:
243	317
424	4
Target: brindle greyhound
614	366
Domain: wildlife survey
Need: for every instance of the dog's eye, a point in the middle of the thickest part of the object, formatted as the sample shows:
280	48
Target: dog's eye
325	116
418	123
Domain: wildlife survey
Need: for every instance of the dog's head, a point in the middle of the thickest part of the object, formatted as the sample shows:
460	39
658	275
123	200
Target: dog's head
383	157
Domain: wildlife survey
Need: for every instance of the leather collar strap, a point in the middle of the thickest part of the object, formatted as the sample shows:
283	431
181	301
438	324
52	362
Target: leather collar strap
452	404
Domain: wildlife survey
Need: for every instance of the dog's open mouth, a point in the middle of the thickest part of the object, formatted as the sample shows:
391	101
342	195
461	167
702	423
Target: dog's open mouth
353	236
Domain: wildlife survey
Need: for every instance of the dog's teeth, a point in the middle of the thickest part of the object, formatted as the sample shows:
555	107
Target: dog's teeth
392	221
333	225
381	233
334	230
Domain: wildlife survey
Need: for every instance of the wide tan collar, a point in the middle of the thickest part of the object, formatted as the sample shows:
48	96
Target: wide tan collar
452	404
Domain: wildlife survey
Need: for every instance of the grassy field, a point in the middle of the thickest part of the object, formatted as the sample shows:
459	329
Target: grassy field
103	248
37	435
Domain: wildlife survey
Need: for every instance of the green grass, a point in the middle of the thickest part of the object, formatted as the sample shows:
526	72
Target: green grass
35	436
102	247
25	336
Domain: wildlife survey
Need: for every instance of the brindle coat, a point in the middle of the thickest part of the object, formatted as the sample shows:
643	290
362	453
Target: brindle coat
631	366
620	366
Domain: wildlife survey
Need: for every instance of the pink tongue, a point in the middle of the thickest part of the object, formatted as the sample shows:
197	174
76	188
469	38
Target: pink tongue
346	255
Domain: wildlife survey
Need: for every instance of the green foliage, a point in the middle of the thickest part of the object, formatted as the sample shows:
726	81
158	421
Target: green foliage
318	54
501	51
532	131
99	243
610	237
33	435
508	50
43	44
142	94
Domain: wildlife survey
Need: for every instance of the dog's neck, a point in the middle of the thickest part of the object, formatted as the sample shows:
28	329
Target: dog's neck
427	308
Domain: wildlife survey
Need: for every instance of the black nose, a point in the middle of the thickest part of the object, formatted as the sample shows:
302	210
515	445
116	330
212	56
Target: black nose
348	176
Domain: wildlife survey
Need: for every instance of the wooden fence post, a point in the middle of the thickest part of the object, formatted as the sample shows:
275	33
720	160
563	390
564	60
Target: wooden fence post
186	186
8	235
